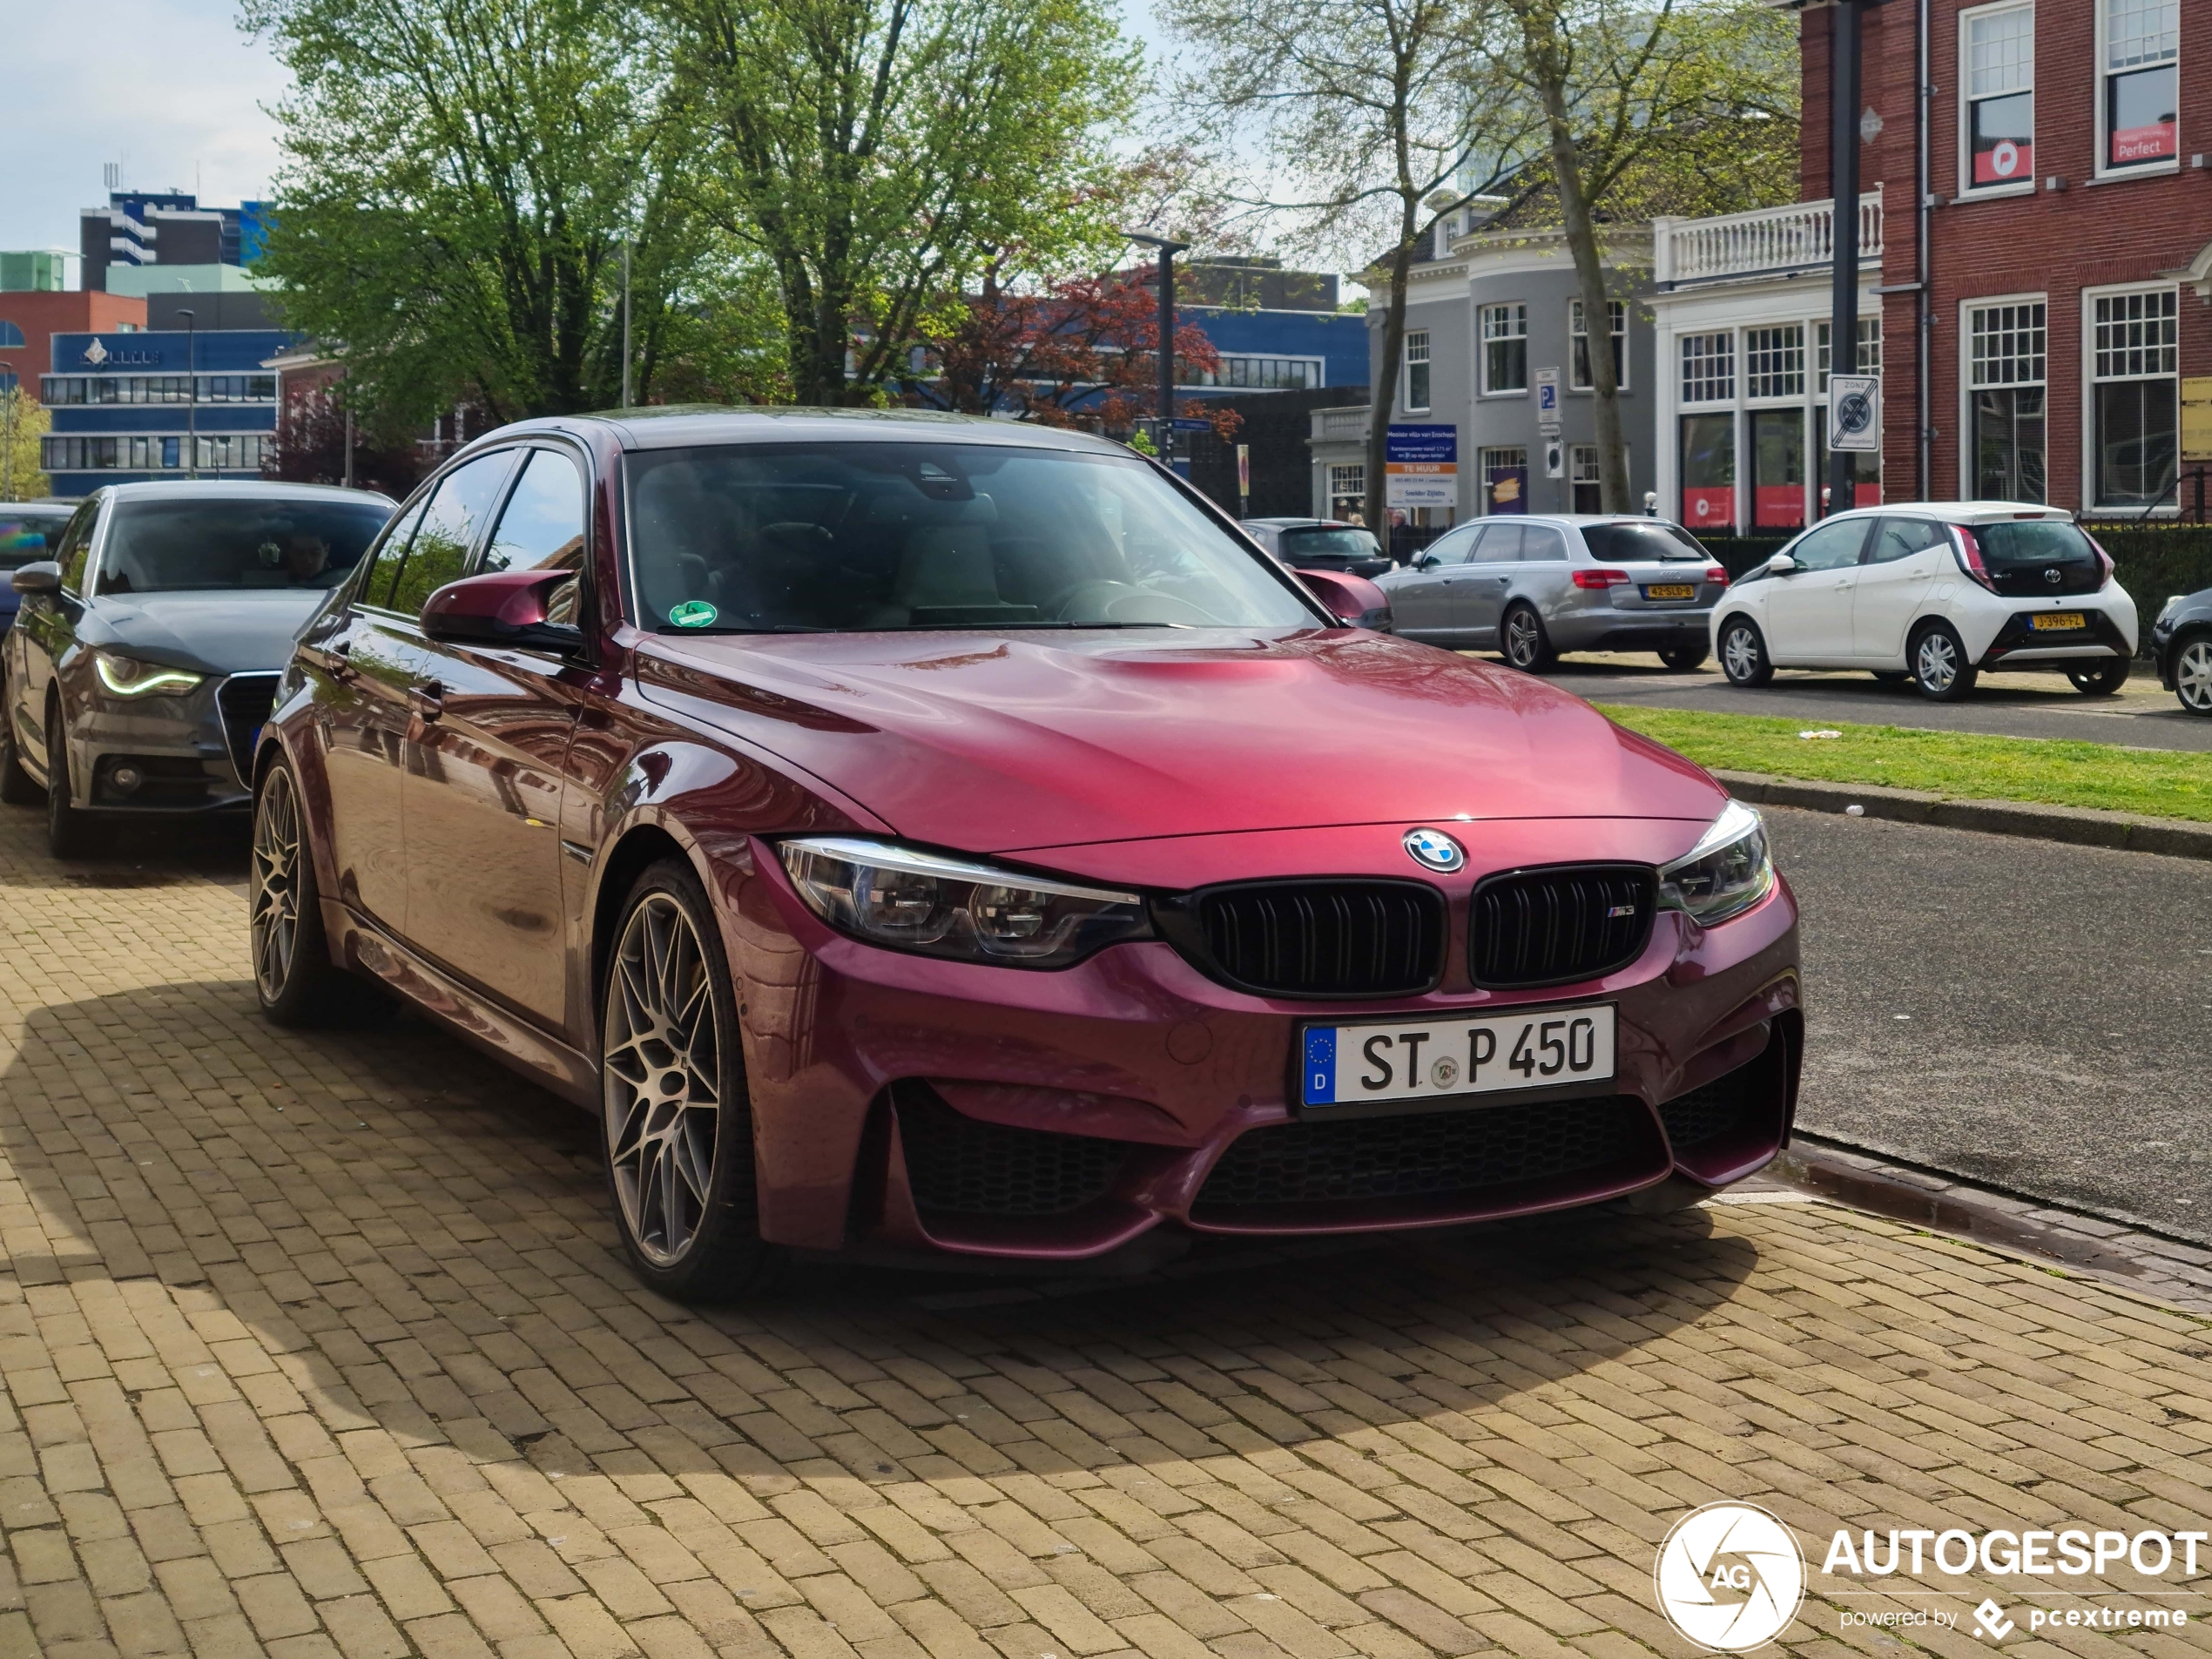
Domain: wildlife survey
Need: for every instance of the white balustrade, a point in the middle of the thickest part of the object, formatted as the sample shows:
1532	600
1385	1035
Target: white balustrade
1768	241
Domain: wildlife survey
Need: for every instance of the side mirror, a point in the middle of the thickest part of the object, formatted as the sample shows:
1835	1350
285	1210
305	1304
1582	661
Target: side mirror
501	608
1781	564
1428	562
1353	600
40	576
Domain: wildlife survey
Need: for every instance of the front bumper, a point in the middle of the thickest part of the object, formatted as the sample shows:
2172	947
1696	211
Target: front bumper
193	754
905	1103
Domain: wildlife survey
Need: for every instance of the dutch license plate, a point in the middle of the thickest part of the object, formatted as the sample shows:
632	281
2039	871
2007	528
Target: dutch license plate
2058	622
1671	590
1415	1060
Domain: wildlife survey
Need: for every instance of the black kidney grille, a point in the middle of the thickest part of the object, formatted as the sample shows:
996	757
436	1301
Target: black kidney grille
958	1165
1419	1157
1326	938
1552	927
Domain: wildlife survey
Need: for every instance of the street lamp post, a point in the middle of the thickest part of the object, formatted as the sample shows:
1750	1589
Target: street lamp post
1168	249
625	322
8	443
192	392
1842	169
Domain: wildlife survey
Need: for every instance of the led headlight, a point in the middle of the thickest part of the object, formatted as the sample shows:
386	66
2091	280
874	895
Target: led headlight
1727	872
128	677
922	901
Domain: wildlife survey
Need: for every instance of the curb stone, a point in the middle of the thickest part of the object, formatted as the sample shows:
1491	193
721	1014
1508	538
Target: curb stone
2078	825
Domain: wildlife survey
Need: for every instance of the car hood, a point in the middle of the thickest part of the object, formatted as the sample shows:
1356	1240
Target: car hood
1025	742
221	632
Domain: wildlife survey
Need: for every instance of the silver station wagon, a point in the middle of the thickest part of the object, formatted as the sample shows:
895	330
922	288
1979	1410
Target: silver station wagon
1535	586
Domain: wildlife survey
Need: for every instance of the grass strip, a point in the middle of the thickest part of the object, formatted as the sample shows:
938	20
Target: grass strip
1964	766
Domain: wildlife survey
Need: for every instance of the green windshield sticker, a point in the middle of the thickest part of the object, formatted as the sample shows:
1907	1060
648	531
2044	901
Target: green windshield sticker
692	613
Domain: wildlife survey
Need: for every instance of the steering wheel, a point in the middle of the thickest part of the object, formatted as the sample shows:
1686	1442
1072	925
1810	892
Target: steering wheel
1104	601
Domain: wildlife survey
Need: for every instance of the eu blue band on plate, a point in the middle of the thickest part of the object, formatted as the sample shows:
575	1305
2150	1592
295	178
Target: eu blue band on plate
1320	1065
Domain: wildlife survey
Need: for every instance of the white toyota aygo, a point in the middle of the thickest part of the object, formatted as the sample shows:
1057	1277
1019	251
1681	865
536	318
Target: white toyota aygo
1935	591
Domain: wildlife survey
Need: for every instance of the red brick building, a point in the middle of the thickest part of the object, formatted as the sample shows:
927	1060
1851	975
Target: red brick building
41	314
2057	266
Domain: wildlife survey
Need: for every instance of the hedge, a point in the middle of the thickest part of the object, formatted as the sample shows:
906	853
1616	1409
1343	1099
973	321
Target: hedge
2152	561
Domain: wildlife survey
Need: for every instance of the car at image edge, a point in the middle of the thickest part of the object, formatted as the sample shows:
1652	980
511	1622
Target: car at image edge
1936	590
1320	544
1531	586
2180	644
939	838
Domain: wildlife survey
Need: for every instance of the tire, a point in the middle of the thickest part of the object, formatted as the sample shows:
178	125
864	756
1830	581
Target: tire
71	833
1527	646
1891	677
1744	657
1685	658
2099	680
1940	664
15	786
676	1113
2193	674
293	976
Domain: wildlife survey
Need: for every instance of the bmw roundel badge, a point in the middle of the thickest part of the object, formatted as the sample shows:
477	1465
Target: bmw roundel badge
1435	850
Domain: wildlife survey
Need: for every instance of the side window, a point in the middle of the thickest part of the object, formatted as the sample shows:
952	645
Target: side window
1900	538
1453	547
391	553
439	549
1541	544
76	546
1831	546
543	521
1500	544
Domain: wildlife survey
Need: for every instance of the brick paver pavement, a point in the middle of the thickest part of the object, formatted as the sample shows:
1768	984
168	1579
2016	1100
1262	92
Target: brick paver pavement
318	1345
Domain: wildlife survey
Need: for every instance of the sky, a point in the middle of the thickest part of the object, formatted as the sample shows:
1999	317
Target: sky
170	90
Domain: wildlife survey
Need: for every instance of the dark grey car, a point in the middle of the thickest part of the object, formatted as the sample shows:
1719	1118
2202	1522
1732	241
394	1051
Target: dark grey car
2180	640
1535	586
145	652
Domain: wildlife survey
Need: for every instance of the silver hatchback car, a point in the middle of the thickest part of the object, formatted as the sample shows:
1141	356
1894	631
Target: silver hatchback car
1533	587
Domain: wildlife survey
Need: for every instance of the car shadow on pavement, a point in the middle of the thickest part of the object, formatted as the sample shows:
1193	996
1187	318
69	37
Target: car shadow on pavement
421	1242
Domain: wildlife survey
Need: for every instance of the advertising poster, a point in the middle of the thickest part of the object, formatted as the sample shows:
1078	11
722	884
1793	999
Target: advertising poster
1421	466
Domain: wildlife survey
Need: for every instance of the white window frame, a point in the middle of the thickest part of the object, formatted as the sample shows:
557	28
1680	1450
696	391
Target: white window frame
1726	397
1968	385
2103	74
1575	454
1484	337
1870	323
1426	359
1967	188
1781	349
1482	477
2090	380
1575	331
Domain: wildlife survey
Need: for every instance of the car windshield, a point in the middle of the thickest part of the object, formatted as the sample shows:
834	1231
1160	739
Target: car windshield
26	537
183	546
2032	540
1644	541
1348	540
858	536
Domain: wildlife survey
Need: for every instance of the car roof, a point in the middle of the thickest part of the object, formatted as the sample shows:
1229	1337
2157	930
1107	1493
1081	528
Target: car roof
675	427
1961	512
243	490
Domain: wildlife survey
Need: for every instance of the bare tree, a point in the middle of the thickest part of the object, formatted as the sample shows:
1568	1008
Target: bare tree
1363	110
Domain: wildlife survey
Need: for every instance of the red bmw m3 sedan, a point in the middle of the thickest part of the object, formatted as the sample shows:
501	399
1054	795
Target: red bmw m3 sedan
927	837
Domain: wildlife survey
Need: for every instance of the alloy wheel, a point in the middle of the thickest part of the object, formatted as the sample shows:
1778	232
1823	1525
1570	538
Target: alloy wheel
2193	676
1523	642
1740	654
663	1079
275	899
1936	664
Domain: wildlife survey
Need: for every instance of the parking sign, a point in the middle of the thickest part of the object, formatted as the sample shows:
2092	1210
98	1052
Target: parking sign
1548	401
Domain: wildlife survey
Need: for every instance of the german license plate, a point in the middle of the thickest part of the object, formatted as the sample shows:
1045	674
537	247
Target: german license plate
2058	622
1415	1060
1671	590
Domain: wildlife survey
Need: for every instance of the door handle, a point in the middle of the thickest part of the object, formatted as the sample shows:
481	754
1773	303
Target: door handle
426	699
1505	581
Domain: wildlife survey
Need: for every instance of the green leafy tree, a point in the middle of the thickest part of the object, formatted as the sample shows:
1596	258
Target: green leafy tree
460	179
1682	108
23	423
878	155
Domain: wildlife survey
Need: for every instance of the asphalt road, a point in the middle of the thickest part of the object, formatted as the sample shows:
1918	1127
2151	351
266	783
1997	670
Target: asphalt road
2143	715
2015	1011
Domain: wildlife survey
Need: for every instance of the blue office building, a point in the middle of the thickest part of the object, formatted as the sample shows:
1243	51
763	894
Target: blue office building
1281	350
121	406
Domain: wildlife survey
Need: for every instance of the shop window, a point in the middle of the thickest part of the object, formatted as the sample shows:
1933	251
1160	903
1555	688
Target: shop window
1774	361
1348	491
1777	469
1870	349
2141	111
1709	368
1505	480
1999	46
1578	335
1583	479
2134	408
1709	471
2006	367
1505	347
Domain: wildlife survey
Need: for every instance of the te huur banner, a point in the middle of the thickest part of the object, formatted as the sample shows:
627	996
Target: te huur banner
1421	466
